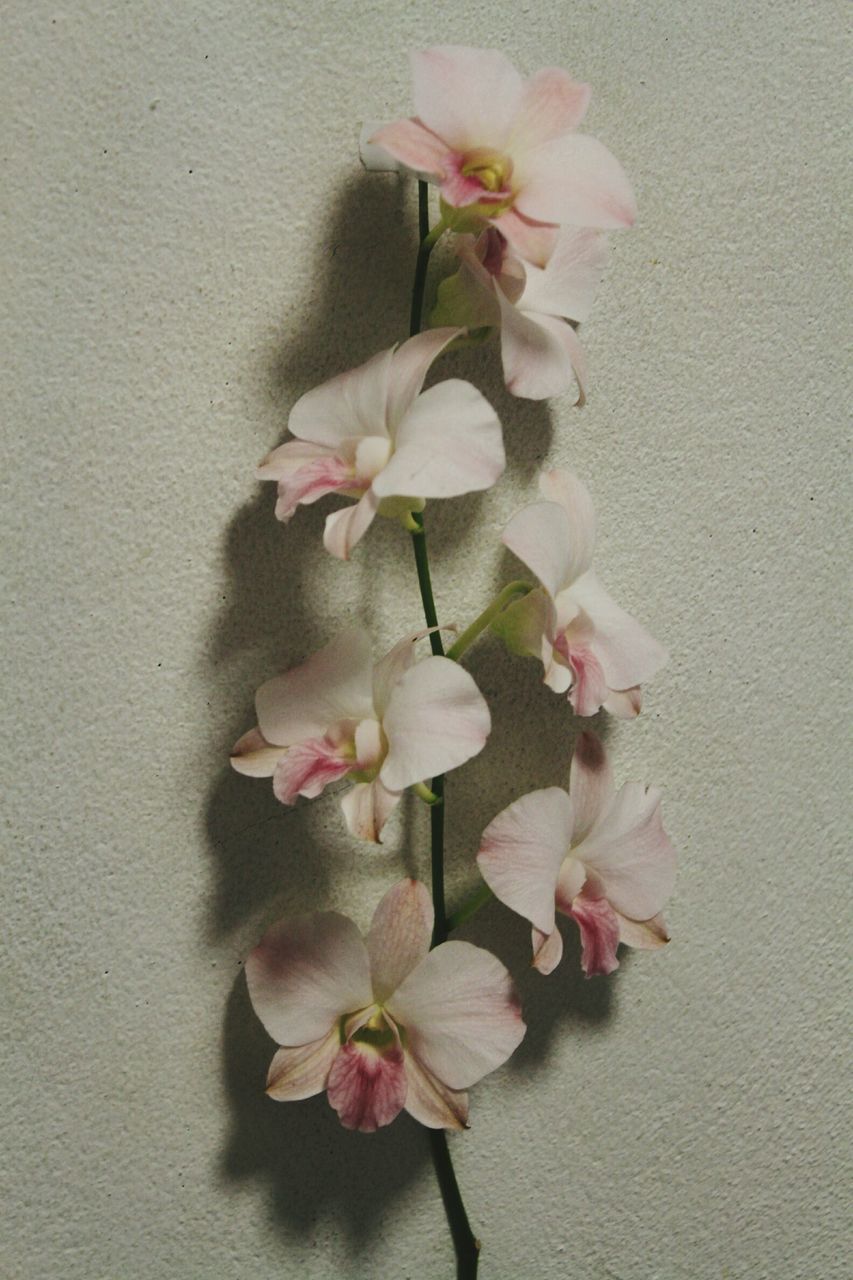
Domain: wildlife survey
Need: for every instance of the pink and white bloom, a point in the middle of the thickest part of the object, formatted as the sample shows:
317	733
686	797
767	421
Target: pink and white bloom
385	726
381	1022
506	148
599	856
530	305
374	435
591	649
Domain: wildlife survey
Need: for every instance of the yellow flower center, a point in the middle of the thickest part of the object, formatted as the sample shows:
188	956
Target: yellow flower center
491	169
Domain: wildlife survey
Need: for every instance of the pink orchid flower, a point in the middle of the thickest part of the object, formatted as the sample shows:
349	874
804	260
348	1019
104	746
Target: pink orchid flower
385	726
373	435
382	1023
506	148
599	856
591	649
530	305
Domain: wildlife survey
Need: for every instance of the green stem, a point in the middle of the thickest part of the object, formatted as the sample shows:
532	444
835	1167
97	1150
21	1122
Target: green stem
466	1245
428	240
469	907
469	635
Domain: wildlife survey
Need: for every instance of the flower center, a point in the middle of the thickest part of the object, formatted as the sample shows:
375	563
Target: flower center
491	169
375	1032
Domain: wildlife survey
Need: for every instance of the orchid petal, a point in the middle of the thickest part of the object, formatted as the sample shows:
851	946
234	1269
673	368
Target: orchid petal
570	883
565	488
289	457
367	1087
568	284
599	928
533	241
575	179
449	443
253	756
541	355
552	104
367	807
306	972
547	949
430	1101
460	1012
311	482
350	404
302	1072
410	365
590	784
644	935
629	655
630	852
390	668
522	850
334	684
345	528
436	720
416	146
468	97
540	535
399	935
589	688
307	768
625	704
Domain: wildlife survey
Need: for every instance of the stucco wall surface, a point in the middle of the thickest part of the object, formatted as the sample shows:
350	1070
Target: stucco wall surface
189	244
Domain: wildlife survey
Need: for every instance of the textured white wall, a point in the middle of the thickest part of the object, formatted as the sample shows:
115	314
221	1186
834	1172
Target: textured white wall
190	244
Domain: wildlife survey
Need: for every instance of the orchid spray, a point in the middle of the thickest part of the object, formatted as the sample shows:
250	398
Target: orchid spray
404	1017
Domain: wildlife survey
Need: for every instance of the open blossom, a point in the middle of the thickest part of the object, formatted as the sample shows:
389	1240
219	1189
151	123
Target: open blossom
599	856
591	649
382	1023
373	435
506	148
385	726
529	304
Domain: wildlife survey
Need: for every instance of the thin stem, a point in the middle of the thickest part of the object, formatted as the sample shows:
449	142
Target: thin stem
469	907
466	1245
467	1248
428	240
469	635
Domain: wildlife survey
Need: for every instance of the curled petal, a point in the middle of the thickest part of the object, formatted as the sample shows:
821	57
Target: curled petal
449	443
334	684
541	355
430	1101
302	1072
468	97
345	528
399	935
645	935
540	536
305	974
599	927
367	807
590	784
522	850
367	1087
630	852
629	655
625	704
325	475
589	687
460	1012
564	487
254	756
436	720
568	284
547	949
307	768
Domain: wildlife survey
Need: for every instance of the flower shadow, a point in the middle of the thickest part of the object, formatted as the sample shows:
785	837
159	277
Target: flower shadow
312	1164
